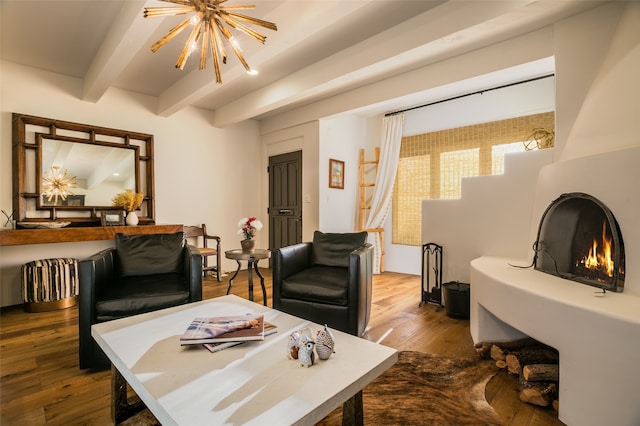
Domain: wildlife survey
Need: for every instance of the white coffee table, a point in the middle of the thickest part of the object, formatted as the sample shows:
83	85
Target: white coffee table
253	383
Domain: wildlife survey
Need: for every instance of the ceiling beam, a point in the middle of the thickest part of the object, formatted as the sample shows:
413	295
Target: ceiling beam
306	20
125	39
443	29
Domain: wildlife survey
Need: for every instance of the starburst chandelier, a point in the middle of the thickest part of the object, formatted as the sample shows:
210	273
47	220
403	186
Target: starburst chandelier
56	184
208	20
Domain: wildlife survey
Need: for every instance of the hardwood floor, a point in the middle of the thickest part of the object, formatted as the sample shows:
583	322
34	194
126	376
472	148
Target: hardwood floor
40	382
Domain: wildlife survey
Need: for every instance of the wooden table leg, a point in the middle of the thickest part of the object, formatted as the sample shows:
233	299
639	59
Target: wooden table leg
352	411
121	409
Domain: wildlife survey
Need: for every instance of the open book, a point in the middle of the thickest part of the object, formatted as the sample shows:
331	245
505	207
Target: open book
237	328
269	329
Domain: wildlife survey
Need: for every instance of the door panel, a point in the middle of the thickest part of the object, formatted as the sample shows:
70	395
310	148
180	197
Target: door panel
285	199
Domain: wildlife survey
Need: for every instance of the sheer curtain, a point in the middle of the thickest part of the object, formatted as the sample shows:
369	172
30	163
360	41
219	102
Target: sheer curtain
385	179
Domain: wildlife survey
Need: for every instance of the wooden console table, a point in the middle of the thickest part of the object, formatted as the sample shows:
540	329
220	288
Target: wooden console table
15	237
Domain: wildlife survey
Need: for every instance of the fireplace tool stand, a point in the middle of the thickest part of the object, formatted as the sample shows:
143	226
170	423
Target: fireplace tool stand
431	275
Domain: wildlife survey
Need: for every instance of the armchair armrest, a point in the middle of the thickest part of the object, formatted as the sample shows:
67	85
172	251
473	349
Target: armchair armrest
359	261
288	261
361	286
293	259
193	272
94	275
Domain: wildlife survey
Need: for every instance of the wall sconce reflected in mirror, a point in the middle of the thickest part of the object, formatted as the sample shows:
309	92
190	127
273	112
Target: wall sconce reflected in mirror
55	183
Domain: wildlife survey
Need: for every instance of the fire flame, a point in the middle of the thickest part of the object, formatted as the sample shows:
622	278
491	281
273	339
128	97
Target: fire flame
600	260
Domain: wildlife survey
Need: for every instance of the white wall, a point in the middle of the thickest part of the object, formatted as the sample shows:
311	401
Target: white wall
491	218
602	80
597	110
201	173
340	139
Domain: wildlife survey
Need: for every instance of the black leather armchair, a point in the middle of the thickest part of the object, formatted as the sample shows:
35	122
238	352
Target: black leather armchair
327	281
142	273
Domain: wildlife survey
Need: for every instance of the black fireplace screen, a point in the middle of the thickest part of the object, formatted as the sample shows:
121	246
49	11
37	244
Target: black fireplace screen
579	239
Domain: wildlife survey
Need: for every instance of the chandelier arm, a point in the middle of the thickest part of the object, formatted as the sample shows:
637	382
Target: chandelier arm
214	52
227	34
252	20
152	12
170	35
241	27
238	7
183	2
184	54
203	46
219	43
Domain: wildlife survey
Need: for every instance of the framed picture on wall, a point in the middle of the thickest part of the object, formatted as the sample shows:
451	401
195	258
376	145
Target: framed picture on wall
336	174
112	218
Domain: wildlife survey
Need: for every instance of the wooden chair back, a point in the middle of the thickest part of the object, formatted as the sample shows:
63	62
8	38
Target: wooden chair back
209	246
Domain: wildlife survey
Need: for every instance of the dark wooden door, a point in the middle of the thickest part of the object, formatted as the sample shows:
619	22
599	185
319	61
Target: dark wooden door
285	199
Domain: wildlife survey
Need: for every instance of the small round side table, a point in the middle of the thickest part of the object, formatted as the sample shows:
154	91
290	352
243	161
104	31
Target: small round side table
252	259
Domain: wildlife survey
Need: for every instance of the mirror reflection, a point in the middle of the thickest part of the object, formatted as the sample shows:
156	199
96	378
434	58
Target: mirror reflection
100	171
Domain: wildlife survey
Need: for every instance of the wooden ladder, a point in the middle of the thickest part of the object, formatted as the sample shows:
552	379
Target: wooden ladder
364	207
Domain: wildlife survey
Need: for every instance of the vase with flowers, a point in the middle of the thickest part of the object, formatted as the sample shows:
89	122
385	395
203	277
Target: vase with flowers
130	201
247	227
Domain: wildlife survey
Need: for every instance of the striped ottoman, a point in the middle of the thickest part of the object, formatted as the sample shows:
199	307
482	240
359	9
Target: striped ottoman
49	284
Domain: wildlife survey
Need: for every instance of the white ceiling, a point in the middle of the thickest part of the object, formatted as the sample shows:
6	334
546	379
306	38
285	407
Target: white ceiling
321	48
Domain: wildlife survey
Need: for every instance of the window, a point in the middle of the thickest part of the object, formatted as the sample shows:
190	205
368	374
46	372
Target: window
432	165
414	175
454	165
498	152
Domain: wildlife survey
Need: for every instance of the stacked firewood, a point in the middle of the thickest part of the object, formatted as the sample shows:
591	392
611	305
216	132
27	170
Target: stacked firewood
535	363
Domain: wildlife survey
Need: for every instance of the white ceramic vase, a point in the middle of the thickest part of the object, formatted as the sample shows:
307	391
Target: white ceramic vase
132	219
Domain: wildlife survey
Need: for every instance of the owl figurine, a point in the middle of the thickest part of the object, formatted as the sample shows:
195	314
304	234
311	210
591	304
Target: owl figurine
305	353
324	343
293	345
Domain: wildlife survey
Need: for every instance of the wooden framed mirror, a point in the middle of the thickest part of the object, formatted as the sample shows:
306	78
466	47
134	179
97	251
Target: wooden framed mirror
100	162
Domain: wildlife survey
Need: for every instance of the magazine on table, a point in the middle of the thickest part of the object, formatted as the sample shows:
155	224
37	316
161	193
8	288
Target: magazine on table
269	329
235	328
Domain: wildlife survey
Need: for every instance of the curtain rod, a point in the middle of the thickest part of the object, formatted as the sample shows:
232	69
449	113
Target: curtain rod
478	92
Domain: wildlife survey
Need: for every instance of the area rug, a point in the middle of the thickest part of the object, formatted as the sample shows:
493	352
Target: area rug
420	389
425	389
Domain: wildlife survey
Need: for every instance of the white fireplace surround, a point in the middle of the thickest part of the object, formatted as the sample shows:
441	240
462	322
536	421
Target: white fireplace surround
597	335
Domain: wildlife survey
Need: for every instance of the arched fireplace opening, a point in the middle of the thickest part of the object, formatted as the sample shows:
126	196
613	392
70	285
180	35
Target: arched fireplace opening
579	239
